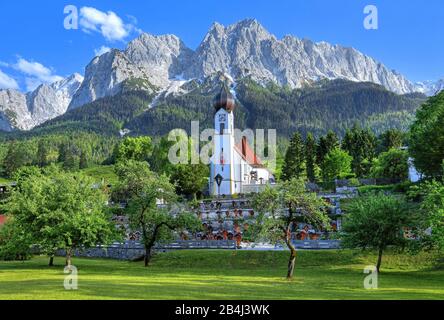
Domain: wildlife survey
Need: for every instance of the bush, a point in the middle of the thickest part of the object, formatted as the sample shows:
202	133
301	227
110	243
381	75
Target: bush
371	189
354	182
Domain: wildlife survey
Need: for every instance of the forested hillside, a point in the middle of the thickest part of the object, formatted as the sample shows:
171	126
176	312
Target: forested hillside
327	105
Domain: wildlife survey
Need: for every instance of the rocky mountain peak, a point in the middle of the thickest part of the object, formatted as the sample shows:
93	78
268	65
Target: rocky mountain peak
164	63
47	101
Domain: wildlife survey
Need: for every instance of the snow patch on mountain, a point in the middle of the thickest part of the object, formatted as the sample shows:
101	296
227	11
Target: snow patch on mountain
25	111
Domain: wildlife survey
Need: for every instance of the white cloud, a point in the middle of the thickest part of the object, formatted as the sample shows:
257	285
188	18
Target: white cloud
101	50
4	64
109	24
36	73
6	82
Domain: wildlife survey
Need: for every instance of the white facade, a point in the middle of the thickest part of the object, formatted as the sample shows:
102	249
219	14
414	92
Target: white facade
236	164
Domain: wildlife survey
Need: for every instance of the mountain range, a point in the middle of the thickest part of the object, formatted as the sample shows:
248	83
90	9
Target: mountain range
164	66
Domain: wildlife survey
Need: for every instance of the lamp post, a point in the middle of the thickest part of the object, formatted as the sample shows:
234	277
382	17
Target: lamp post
218	179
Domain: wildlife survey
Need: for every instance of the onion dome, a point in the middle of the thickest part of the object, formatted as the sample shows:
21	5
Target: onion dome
224	100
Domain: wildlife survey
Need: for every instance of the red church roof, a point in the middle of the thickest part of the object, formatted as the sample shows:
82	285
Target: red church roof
248	154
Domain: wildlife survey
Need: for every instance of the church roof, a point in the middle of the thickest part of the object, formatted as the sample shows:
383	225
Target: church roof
224	99
247	153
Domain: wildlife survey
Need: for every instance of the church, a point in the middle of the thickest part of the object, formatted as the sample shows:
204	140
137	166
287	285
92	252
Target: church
235	168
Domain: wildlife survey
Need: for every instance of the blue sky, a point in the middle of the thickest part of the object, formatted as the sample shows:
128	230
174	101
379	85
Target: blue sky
35	47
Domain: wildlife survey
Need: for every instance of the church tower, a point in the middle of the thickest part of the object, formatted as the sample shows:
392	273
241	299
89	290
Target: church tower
222	164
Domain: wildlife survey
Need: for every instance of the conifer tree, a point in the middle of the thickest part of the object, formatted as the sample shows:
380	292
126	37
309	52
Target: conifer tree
361	145
83	162
294	159
310	157
326	144
42	154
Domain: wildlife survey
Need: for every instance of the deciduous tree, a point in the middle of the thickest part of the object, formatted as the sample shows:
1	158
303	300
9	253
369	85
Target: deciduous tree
60	211
152	204
376	221
282	209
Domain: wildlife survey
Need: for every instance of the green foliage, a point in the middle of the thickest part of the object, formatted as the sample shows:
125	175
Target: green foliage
427	137
365	190
144	190
390	139
48	149
361	145
60	211
431	197
15	243
190	179
83	161
101	174
376	221
327	105
310	157
392	164
159	160
337	165
294	159
16	157
326	144
137	149
42	157
283	207
105	116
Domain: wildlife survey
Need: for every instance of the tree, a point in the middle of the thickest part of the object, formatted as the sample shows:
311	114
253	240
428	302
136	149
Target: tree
282	208
392	138
159	159
392	164
336	165
325	145
63	149
137	148
71	162
294	159
152	204
361	145
190	179
376	221
431	222
310	157
60	211
426	143
42	154
83	161
16	157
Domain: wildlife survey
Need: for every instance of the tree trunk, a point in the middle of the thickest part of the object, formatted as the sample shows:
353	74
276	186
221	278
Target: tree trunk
291	260
291	264
147	257
68	258
378	265
150	244
51	261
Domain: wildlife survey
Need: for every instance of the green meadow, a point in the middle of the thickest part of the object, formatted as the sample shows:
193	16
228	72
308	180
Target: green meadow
211	274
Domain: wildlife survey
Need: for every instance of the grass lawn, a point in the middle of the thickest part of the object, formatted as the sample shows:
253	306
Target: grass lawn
100	173
5	180
210	274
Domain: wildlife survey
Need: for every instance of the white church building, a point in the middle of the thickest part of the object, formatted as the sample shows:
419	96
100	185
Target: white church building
234	168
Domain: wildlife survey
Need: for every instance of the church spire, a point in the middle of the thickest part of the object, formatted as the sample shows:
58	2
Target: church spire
224	100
